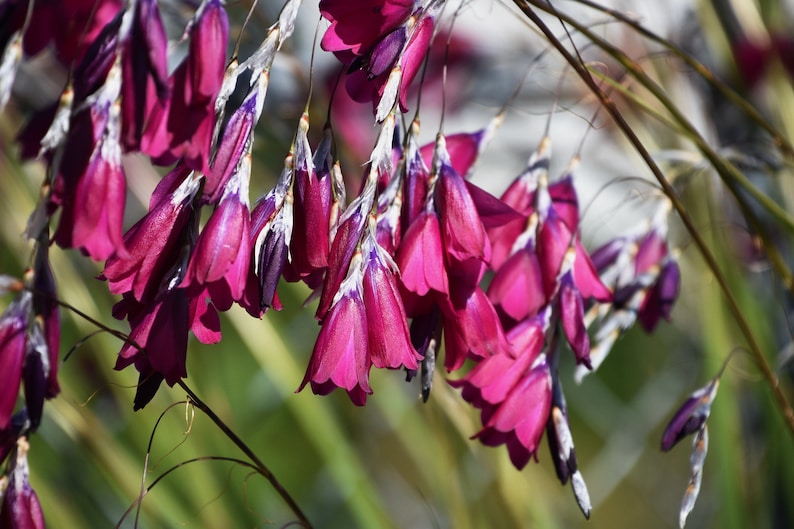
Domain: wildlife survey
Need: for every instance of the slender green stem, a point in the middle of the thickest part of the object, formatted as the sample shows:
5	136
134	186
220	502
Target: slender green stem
611	108
261	467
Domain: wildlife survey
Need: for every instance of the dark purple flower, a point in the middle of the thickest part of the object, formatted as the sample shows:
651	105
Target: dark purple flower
20	508
691	416
340	358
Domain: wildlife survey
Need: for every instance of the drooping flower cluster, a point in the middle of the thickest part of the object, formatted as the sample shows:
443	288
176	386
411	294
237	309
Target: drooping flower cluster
420	257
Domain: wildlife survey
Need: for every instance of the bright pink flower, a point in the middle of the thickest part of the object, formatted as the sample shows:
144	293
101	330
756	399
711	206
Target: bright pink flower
358	26
420	257
513	389
388	337
13	339
341	358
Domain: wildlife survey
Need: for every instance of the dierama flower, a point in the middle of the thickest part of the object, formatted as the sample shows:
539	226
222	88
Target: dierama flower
514	392
183	126
20	508
13	339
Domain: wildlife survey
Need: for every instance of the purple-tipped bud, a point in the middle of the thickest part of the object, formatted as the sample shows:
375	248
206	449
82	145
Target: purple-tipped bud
691	416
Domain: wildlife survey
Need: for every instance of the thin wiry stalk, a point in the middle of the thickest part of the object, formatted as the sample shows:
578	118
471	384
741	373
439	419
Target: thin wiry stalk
701	69
260	466
581	69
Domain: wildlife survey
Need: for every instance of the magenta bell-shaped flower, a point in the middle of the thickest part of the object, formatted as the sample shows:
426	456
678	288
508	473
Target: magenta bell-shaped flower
13	339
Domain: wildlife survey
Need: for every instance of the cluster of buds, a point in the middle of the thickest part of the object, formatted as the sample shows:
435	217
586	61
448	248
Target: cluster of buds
398	271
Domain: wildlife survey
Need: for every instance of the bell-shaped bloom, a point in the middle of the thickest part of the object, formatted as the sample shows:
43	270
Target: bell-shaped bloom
313	195
420	257
154	242
358	27
465	244
183	126
221	253
691	416
384	44
160	330
471	331
388	336
516	289
97	214
514	392
70	27
13	340
341	358
20	508
144	67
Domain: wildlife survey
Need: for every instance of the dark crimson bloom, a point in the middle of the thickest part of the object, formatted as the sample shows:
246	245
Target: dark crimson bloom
144	66
20	508
183	126
154	241
13	340
69	26
313	194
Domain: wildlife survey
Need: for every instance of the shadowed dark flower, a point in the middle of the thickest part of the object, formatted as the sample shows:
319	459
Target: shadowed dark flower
144	68
20	508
